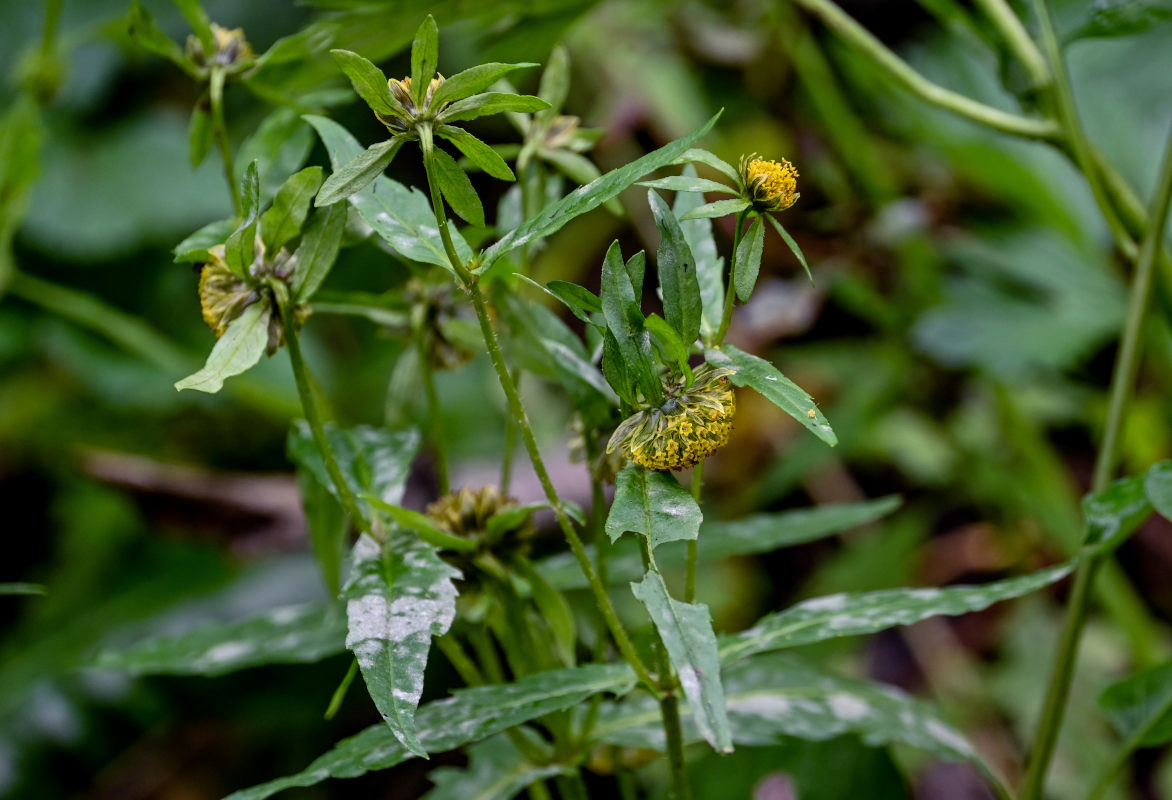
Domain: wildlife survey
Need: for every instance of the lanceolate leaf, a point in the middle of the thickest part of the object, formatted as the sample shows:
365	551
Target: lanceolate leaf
235	352
199	133
1141	706
1110	18
374	461
194	249
145	33
468	716
677	273
620	307
424	58
702	156
775	387
496	770
759	533
555	83
748	260
401	216
686	631
398	597
457	189
473	80
477	152
652	504
792	245
329	529
1158	488
688	183
588	197
717	208
284	219
318	250
709	264
359	173
240	248
294	634
481	105
368	80
848	614
774	697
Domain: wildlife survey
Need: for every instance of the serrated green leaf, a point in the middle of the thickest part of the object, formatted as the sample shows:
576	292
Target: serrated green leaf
359	173
702	156
762	376
457	189
614	368
581	301
468	716
398	596
477	152
554	216
486	103
299	46
424	58
855	614
194	249
318	250
682	306
368	81
285	217
402	217
686	631
1158	488
472	81
748	260
1140	706
686	183
289	635
146	34
778	696
240	249
280	145
718	208
620	307
654	505
669	342
496	770
199	134
793	246
1113	514
637	270
374	461
758	533
237	351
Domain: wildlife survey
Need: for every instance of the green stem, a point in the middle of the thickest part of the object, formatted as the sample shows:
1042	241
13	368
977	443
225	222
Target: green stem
730	292
846	27
435	420
461	662
1122	384
517	411
690	575
1074	135
313	415
1014	32
601	558
52	24
510	447
669	707
220	131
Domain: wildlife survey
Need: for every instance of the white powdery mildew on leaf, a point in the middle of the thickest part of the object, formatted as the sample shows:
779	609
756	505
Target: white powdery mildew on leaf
847	707
226	652
831	602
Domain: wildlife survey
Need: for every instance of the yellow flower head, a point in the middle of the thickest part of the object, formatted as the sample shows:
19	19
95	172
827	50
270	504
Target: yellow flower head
691	425
222	295
769	185
232	52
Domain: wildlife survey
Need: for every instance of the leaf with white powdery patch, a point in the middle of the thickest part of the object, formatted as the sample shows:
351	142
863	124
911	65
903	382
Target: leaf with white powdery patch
235	352
686	631
398	597
496	770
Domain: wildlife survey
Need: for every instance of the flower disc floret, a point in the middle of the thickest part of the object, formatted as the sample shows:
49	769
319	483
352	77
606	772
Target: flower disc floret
466	514
770	186
401	92
693	423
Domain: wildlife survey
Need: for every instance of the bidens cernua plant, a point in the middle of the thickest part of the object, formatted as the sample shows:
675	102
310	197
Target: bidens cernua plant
557	689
